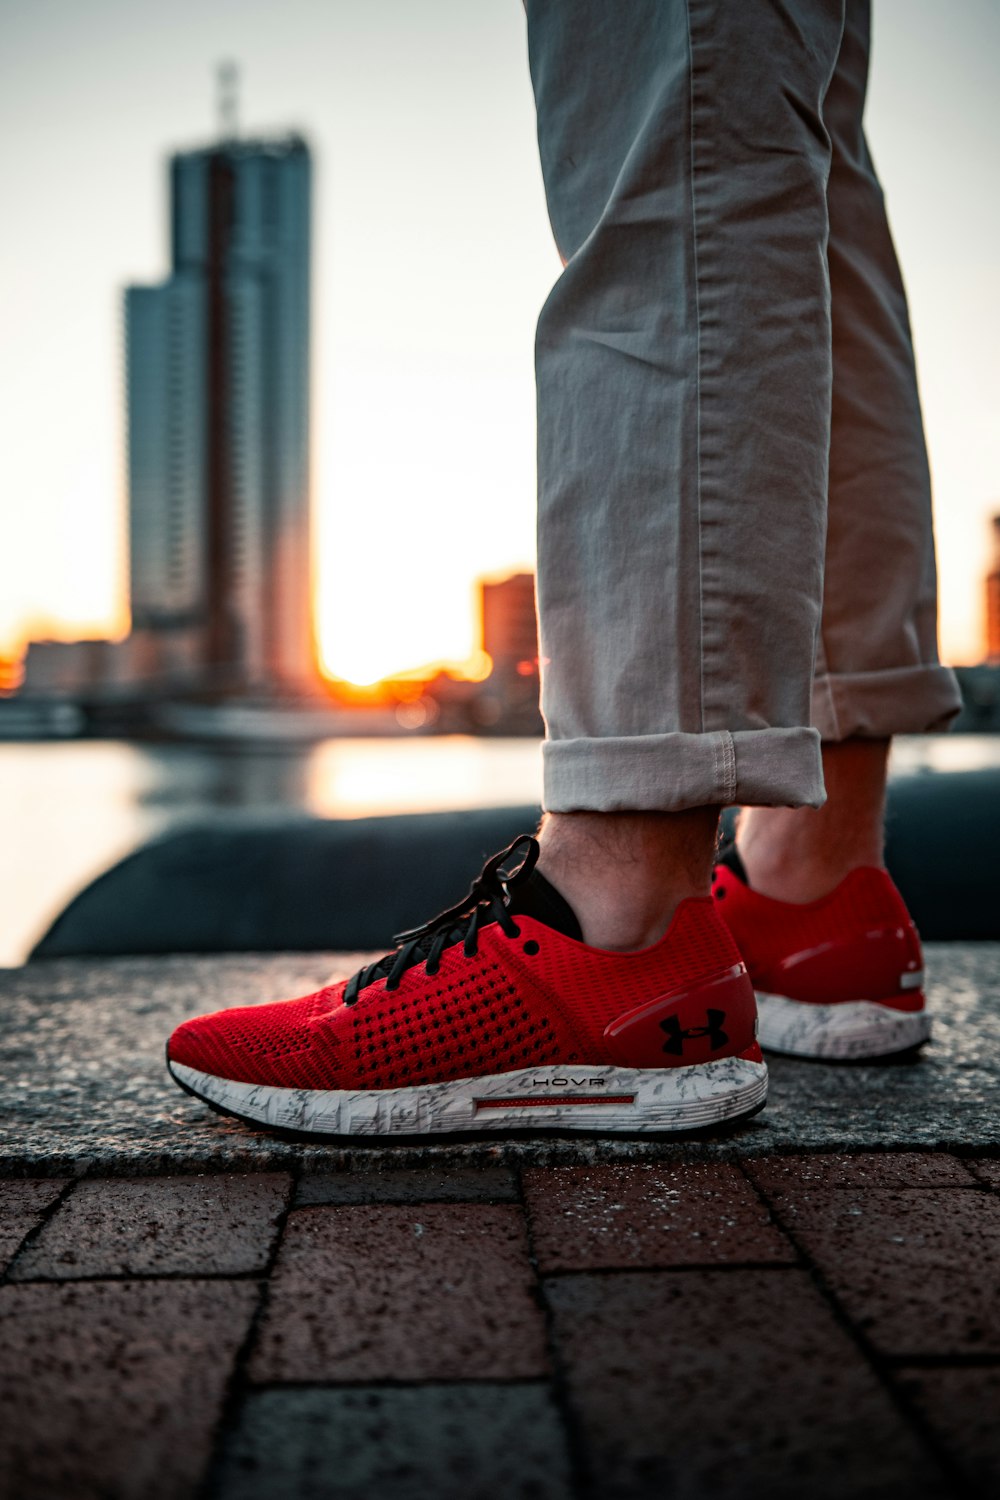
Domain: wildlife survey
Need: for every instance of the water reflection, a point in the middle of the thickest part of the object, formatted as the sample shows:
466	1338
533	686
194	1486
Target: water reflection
348	779
69	810
944	753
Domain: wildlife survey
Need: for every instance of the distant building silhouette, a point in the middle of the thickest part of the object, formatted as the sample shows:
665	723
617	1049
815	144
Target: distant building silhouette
507	701
217	376
510	625
993	601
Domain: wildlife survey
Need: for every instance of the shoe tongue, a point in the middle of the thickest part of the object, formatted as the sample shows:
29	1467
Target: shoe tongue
535	897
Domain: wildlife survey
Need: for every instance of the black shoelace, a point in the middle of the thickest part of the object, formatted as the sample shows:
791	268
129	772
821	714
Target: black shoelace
487	901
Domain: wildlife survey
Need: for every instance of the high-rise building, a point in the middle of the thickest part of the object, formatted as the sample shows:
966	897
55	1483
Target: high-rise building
218	365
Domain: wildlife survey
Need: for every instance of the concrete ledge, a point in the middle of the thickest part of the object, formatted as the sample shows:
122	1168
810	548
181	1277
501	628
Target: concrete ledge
84	1089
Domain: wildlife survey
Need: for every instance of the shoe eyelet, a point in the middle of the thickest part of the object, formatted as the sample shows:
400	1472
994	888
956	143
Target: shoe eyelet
719	892
515	931
531	947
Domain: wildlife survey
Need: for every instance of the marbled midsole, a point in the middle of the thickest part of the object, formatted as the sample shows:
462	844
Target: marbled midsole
598	1098
847	1029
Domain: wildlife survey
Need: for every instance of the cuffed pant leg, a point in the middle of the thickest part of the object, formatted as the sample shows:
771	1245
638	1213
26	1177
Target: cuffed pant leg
684	375
878	671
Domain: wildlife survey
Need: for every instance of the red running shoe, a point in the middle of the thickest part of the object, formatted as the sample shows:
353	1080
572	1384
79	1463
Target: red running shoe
497	1015
841	977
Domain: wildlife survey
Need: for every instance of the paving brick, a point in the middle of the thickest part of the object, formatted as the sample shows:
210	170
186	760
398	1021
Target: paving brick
160	1225
918	1271
442	1185
587	1218
735	1383
113	1389
22	1203
897	1169
988	1171
960	1407
452	1442
436	1292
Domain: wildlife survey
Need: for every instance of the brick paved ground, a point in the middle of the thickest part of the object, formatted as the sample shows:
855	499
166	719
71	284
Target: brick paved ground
823	1325
807	1305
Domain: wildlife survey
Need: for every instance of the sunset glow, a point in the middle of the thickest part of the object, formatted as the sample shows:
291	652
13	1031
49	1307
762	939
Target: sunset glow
404	686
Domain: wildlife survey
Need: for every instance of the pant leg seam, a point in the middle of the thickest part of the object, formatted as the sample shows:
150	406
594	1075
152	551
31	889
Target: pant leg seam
729	767
724	764
697	378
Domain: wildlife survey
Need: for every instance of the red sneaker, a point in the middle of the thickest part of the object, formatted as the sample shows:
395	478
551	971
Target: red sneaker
840	977
497	1015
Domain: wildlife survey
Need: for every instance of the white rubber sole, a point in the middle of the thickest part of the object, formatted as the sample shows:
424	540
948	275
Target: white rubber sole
601	1098
850	1029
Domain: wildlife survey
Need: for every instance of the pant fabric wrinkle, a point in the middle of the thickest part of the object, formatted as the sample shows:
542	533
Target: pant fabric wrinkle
735	553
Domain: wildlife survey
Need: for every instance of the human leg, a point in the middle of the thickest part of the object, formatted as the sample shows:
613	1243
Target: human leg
684	372
683	365
625	874
801	853
834	956
878	672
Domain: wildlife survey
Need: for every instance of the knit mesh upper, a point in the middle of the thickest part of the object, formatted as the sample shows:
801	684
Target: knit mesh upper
541	997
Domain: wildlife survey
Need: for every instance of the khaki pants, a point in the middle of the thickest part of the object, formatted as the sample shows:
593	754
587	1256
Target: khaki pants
735	554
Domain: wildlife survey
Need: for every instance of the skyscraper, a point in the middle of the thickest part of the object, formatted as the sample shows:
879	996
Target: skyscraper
218	418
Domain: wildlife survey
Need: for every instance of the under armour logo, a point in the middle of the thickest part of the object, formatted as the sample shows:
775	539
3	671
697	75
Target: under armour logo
677	1036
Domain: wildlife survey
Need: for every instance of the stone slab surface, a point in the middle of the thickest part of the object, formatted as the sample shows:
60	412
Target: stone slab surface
903	1169
445	1185
730	1384
223	1224
410	1348
987	1171
452	1442
624	1215
919	1270
83	1086
388	1292
960	1407
22	1205
115	1388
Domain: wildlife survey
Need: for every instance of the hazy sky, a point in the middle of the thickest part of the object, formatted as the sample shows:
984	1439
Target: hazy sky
432	257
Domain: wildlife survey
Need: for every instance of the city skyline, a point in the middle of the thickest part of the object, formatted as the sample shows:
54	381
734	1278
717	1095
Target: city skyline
433	257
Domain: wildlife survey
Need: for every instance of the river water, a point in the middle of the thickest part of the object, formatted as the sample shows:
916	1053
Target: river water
71	809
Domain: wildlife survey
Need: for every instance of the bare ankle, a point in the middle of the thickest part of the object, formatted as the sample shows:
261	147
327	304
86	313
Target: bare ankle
801	853
624	874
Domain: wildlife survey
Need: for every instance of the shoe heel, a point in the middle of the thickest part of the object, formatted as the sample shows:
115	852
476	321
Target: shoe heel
703	1023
